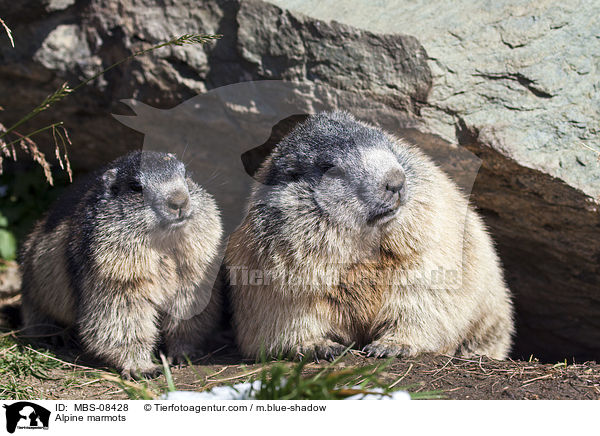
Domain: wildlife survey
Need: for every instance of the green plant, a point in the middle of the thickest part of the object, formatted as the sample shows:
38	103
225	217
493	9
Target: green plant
8	242
134	390
13	389
280	381
19	361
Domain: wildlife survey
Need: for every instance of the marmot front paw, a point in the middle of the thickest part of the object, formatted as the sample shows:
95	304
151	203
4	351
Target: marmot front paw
152	371
325	349
387	349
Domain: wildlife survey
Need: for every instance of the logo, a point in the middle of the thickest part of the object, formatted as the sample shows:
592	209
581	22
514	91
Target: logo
26	415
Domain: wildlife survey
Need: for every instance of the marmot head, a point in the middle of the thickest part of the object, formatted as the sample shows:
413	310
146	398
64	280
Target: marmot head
152	188
347	172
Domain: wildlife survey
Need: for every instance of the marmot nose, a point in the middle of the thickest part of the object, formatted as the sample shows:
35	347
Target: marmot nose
178	202
393	183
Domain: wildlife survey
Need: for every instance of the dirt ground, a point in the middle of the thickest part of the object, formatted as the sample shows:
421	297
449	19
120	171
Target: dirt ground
452	377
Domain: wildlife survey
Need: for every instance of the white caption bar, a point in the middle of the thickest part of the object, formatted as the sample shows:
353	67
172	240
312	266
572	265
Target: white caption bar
298	417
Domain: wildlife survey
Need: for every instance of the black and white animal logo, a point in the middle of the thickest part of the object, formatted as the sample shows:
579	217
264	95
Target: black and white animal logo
26	415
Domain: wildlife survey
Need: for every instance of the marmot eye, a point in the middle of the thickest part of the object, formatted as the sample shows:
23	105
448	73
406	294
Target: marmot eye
135	186
291	173
325	167
294	175
332	171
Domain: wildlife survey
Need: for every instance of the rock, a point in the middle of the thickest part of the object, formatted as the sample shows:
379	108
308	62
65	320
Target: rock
523	75
386	68
513	83
66	48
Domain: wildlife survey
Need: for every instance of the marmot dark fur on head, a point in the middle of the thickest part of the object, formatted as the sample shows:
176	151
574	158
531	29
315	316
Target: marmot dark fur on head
355	237
124	257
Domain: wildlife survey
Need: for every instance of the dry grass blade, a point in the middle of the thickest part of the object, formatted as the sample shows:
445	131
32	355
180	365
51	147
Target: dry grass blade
91	382
402	378
31	148
60	360
8	32
130	387
3	147
442	368
235	377
531	380
61	133
8	350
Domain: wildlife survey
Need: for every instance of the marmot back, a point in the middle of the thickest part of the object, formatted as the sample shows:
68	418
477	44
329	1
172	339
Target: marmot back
125	258
354	237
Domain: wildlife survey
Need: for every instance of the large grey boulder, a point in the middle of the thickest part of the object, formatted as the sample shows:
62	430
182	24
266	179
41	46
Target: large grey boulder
517	85
524	75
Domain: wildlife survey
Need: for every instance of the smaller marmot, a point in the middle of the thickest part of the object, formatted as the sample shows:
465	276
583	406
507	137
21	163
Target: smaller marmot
355	237
125	258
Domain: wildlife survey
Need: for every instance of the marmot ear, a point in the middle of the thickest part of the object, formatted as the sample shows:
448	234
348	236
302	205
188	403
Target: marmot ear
109	177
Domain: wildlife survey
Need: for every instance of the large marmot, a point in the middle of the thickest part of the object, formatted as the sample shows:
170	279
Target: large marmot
125	258
354	237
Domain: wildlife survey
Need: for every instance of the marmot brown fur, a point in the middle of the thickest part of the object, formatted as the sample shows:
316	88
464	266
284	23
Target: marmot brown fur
354	237
124	258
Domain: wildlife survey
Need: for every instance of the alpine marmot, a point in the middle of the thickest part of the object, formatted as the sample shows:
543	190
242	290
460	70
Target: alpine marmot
123	258
355	237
